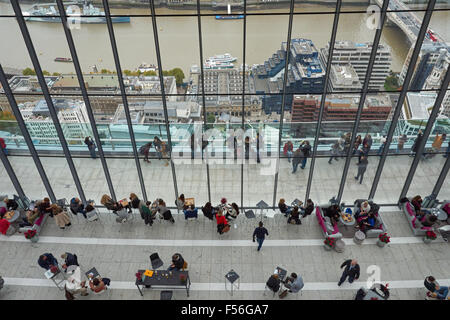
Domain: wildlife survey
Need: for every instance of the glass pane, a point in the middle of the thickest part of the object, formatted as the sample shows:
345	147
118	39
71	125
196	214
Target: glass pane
7	188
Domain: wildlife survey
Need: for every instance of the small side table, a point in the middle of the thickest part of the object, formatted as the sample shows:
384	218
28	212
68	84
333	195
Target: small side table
232	277
359	237
339	246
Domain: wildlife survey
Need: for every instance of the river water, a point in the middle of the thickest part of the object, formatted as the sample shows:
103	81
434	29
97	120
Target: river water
178	37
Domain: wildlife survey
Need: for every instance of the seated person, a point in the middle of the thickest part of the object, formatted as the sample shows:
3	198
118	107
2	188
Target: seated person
208	211
110	204
164	211
294	216
2	211
62	219
417	203
363	210
368	222
435	291
44	206
69	260
11	204
221	221
74	286
233	213
47	261
273	283
180	202
99	284
294	283
30	217
333	212
308	208
4	226
134	201
177	262
285	209
146	214
446	208
429	220
191	212
77	207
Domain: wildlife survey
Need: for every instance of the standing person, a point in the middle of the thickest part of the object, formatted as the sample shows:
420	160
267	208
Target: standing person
91	146
357	143
247	147
69	260
383	141
437	143
47	261
334	152
364	152
347	141
258	144
161	149
368	140
145	150
447	152
288	150
416	144
362	166
192	145
351	271
306	150
260	233
3	146
297	159
401	142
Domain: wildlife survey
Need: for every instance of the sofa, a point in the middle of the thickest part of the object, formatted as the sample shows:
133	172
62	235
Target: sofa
328	230
380	226
416	227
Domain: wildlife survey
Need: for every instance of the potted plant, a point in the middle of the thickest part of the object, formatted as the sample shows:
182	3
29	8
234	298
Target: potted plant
383	239
329	243
429	236
31	235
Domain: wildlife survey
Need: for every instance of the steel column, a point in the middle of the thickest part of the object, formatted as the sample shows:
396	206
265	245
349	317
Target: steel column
401	99
163	92
244	47
87	102
124	97
283	99
362	99
26	135
202	75
46	93
442	176
426	133
324	96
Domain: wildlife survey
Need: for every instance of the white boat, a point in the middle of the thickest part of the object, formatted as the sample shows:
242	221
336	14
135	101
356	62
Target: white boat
222	58
216	65
144	67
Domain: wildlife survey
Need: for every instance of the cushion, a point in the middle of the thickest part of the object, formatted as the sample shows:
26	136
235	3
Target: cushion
329	227
327	219
409	209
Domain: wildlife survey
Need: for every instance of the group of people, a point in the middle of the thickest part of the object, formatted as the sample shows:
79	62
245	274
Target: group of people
73	285
293	213
299	156
425	218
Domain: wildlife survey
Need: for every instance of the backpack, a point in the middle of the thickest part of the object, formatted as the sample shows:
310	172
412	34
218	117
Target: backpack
69	295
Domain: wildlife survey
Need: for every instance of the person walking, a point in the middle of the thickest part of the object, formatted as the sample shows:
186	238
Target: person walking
357	143
383	141
260	233
258	144
401	142
334	152
297	158
362	166
351	271
288	150
145	150
416	144
306	150
91	146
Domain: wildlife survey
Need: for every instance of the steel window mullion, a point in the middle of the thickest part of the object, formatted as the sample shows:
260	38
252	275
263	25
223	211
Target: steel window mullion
86	99
373	55
324	96
26	134
401	99
442	176
200	44
46	93
11	174
244	46
124	97
426	133
283	99
163	92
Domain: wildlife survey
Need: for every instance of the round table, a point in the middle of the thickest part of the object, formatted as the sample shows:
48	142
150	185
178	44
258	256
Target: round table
15	216
339	246
359	237
439	213
347	223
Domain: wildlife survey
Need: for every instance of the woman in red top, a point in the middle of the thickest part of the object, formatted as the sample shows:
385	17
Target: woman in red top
221	221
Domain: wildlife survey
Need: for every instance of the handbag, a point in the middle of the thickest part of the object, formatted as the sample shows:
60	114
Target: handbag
283	294
226	228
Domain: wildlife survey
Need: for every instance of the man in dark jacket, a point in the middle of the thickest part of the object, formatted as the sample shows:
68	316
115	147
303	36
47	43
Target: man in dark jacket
298	154
273	283
47	260
69	260
10	204
177	262
416	144
260	233
362	166
306	150
351	271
